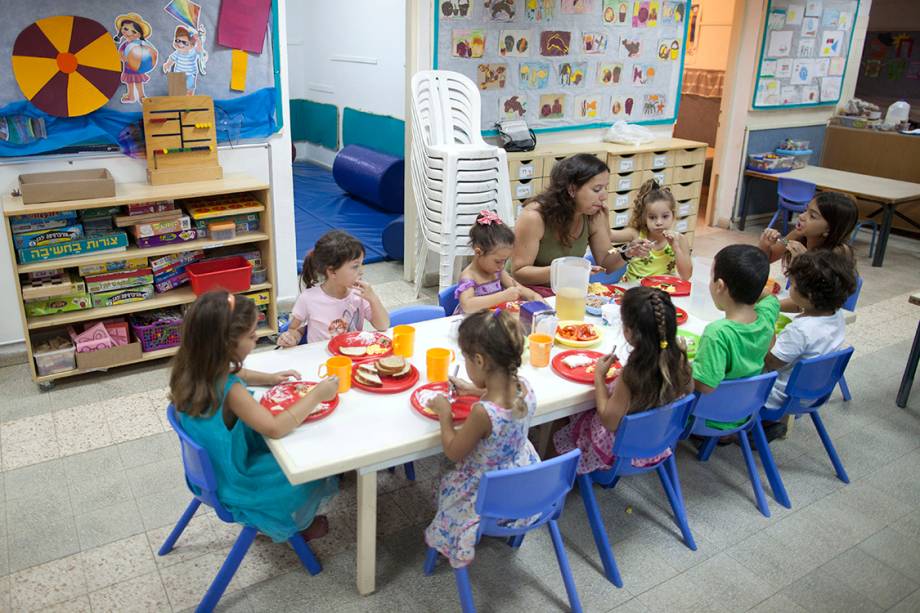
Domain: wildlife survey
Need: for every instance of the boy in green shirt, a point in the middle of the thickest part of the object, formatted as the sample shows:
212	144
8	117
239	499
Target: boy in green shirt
735	347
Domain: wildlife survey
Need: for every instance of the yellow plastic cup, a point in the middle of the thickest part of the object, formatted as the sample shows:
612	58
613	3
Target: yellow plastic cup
540	347
438	361
404	341
339	366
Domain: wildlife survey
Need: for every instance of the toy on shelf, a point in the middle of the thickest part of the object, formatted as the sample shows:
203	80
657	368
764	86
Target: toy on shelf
181	139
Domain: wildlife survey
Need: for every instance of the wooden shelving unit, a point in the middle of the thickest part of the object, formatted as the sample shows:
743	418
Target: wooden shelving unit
129	193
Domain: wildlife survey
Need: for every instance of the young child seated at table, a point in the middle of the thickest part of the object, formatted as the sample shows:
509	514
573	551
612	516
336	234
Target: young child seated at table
656	374
653	215
207	386
821	281
485	283
827	223
493	437
333	299
734	347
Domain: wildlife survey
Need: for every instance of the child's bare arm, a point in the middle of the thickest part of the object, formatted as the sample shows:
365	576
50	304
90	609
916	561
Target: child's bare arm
380	318
681	254
241	403
291	337
254	377
623	235
771	363
525	292
470	302
459	443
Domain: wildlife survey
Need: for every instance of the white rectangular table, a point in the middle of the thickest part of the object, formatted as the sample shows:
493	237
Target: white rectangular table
371	432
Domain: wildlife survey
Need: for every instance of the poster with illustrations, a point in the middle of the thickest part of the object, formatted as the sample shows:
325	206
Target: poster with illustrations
138	55
803	55
563	63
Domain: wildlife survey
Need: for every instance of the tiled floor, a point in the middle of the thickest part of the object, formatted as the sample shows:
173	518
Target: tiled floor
91	483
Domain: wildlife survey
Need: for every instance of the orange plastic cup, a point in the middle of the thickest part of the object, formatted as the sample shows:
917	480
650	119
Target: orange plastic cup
540	346
438	361
340	366
404	341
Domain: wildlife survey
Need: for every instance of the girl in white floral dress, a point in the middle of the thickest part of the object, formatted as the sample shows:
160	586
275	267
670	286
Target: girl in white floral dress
493	437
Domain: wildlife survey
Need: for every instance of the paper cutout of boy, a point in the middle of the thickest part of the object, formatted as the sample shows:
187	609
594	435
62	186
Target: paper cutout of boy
188	56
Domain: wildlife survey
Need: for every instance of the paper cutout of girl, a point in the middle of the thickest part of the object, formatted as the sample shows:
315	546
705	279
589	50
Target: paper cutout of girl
138	55
189	56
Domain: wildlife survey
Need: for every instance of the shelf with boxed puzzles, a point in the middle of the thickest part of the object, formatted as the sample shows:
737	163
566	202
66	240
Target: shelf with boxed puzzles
56	301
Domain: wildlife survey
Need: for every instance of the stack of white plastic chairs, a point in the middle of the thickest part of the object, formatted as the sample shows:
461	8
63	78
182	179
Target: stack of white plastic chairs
455	173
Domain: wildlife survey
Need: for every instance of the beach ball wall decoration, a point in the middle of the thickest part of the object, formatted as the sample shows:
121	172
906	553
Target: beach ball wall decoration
66	66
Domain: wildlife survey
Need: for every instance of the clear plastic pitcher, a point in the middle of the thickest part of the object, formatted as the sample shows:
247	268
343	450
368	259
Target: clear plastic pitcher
569	280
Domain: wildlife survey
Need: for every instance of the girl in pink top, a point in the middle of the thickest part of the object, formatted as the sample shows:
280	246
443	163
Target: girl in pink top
334	299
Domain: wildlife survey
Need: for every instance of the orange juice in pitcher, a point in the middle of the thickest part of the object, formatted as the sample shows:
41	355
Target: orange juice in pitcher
570	304
569	279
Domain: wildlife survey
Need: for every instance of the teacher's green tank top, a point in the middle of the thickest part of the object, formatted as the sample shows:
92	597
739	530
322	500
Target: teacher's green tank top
551	248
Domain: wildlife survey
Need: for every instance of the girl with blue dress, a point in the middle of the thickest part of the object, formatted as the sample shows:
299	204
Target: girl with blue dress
208	389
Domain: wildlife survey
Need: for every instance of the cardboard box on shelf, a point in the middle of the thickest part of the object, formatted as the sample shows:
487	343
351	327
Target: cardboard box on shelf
64	185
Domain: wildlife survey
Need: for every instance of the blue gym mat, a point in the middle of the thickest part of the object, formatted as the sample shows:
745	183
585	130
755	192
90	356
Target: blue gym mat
320	205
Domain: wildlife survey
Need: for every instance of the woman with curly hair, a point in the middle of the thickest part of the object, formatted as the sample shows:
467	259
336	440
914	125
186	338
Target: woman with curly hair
566	219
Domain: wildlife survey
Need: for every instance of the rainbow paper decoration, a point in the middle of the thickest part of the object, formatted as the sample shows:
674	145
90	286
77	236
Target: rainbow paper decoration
185	11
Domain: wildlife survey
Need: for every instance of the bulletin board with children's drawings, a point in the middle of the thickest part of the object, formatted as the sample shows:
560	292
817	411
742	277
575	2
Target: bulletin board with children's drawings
566	64
804	51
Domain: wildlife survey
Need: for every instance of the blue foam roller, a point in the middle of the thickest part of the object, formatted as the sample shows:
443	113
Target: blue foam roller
393	238
372	176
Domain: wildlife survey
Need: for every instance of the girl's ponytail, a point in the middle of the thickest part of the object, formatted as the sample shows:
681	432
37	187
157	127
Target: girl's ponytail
307	275
333	250
663	344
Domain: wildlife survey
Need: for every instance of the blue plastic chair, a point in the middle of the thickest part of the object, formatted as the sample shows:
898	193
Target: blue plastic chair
199	474
411	315
415	313
872	225
736	400
810	384
605	277
516	493
792	196
643	435
447	300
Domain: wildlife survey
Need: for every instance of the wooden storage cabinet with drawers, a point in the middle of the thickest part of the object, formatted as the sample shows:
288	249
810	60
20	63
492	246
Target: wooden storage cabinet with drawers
675	163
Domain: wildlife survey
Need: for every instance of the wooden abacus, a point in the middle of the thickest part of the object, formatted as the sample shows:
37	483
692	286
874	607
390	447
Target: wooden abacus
181	139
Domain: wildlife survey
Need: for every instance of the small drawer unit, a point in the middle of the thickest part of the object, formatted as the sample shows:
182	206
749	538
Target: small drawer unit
620	201
686	174
655	160
519	170
662	176
686	208
626	162
625	181
686	191
619	219
693	155
687	224
528	188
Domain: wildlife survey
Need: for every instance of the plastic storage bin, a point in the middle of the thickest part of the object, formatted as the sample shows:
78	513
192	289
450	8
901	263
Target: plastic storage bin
157	329
52	361
770	162
259	275
232	274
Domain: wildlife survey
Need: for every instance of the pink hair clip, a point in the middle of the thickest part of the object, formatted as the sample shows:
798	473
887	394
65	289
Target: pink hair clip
487	218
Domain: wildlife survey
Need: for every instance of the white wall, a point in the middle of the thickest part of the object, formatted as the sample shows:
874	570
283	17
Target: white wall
348	53
268	162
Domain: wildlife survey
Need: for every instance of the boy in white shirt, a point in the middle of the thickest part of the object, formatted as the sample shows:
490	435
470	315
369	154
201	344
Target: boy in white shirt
821	281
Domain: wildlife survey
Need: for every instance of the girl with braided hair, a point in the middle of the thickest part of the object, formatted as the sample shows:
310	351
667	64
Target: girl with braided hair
493	437
657	373
651	221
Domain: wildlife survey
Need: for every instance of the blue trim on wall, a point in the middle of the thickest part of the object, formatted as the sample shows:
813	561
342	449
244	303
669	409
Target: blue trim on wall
380	132
276	67
763	45
648	122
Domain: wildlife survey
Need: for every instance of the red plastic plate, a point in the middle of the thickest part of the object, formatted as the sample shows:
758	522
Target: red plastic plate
672	285
391	385
279	398
355	339
681	316
579	374
461	406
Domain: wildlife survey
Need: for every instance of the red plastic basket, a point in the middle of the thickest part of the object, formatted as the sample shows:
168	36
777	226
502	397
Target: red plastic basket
232	274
